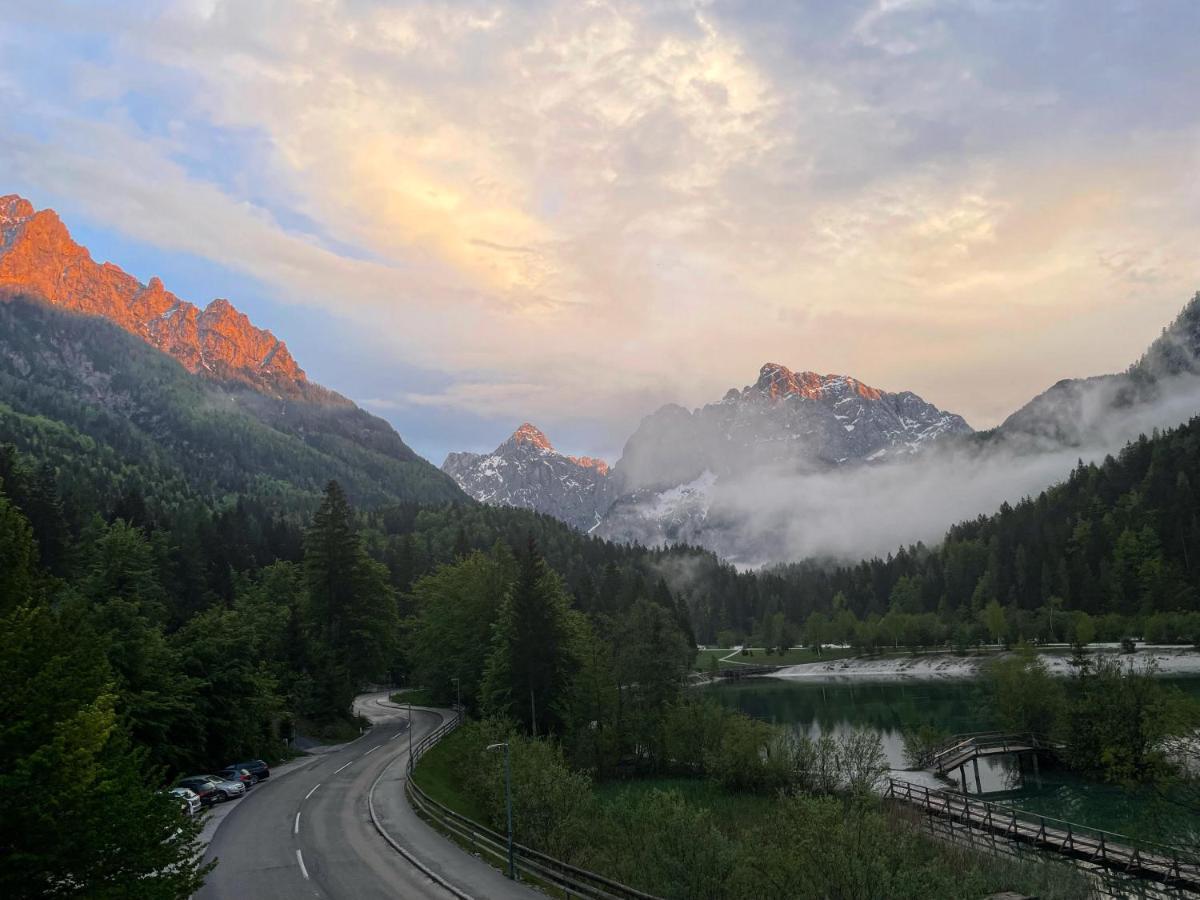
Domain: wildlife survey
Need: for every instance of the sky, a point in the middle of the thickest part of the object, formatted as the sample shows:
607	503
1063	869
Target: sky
466	215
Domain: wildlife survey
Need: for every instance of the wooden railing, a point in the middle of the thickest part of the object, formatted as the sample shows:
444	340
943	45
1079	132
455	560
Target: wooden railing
533	864
962	748
1168	865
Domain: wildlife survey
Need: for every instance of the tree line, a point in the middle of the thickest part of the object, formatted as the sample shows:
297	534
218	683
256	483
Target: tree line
1112	552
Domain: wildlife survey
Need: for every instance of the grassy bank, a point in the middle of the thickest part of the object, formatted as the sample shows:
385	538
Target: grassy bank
435	774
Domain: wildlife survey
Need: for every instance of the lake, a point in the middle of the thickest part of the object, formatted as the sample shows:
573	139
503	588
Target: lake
957	707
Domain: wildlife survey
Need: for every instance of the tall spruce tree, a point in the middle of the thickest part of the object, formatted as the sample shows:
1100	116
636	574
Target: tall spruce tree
351	610
534	652
18	554
449	635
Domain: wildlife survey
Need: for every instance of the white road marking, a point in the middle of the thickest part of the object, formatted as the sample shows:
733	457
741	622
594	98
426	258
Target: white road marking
372	750
300	859
310	793
347	764
296	829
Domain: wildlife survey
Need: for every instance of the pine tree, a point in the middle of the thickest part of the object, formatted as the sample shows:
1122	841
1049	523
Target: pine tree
18	554
351	610
533	652
126	609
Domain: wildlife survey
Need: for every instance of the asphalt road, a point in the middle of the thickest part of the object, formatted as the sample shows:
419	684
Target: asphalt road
310	834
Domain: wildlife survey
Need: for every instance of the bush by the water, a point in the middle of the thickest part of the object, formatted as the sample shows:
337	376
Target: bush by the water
1116	721
781	831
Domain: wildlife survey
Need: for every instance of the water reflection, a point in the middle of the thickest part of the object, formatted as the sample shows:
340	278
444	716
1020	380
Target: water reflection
958	707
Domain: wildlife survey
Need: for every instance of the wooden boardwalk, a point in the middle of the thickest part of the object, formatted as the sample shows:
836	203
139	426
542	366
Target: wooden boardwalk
1169	866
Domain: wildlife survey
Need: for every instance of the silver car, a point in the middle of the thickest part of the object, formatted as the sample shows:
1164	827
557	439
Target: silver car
214	788
231	789
189	798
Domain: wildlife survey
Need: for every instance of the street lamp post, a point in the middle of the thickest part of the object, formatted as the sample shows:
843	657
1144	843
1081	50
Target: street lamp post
512	869
410	724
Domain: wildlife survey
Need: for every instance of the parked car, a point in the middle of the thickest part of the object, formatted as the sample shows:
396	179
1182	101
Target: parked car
256	767
201	787
231	773
189	798
213	789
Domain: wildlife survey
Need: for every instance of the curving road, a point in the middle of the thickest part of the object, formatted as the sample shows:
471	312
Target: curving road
310	833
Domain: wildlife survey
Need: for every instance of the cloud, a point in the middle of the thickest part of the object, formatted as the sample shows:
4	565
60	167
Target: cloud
850	513
639	202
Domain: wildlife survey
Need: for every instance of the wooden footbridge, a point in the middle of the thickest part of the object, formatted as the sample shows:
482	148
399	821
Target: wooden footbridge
1172	867
970	748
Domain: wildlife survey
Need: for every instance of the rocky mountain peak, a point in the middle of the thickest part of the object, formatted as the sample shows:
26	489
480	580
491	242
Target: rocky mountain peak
776	381
684	475
14	210
527	472
532	436
40	260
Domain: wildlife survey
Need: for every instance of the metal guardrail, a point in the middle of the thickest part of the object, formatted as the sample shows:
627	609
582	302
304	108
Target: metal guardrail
1163	863
576	882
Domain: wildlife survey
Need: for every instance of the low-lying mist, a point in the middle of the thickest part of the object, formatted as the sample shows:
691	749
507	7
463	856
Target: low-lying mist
853	512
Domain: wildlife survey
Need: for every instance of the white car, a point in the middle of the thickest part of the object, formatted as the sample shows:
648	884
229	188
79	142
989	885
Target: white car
189	798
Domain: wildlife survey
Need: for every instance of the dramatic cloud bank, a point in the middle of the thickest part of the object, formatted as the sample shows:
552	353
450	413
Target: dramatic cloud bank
577	211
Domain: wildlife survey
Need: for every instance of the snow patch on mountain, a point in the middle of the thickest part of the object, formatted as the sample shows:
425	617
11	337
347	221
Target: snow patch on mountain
527	472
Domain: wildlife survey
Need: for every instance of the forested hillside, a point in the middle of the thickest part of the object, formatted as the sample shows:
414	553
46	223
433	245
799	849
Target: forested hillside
116	417
1114	550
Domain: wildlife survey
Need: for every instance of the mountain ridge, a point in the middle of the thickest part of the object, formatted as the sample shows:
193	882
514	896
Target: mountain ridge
221	403
527	472
39	259
1073	411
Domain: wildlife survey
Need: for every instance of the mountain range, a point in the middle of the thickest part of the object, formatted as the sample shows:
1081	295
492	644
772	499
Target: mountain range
701	476
199	400
1078	411
201	397
661	490
39	259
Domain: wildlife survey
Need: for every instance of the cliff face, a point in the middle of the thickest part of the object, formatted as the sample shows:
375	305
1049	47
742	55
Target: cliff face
39	259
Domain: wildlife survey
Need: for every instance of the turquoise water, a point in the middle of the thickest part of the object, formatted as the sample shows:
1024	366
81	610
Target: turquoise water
958	707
